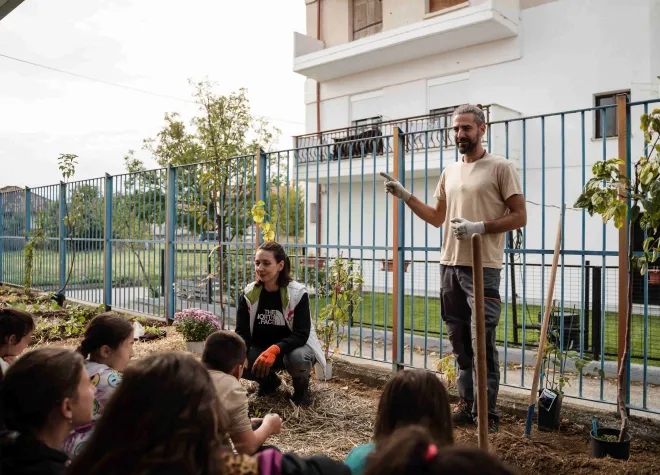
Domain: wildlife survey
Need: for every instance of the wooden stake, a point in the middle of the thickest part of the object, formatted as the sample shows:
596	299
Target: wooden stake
533	395
396	357
621	109
480	323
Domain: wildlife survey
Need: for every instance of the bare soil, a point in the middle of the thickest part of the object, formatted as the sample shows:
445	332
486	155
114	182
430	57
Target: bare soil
343	412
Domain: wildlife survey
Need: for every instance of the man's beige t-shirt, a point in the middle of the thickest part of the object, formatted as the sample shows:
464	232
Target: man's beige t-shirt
476	192
235	400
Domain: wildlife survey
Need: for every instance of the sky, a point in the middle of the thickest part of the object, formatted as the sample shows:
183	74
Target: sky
153	45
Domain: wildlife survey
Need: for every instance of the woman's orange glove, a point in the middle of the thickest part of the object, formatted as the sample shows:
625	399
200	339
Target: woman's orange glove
264	363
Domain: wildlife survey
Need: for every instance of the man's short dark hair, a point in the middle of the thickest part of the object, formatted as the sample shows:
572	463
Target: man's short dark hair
223	351
476	111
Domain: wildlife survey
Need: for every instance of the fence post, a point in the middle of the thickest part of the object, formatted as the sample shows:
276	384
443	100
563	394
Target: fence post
28	195
261	187
107	244
62	237
596	313
398	257
622	125
2	244
587	304
170	251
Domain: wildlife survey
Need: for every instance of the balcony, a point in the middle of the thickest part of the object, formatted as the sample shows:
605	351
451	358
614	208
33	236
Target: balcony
481	22
361	150
430	131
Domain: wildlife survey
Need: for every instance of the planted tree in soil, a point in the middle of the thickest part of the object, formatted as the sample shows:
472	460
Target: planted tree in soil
344	290
554	372
608	194
67	164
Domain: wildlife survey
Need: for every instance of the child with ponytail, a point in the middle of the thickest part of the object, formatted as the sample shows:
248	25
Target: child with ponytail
411	397
412	449
107	347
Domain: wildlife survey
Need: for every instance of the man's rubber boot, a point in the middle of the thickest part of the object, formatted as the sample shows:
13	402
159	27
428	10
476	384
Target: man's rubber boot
462	415
269	385
301	392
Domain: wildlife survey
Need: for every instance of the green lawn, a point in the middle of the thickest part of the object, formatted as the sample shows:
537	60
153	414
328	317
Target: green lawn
373	306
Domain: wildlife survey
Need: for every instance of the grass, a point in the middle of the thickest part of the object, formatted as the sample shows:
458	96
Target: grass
88	273
372	309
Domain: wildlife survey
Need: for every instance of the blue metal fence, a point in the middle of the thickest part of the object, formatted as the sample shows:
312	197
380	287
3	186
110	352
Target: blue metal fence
161	240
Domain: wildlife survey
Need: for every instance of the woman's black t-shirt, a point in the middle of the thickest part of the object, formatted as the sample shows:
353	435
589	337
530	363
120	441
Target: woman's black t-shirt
270	327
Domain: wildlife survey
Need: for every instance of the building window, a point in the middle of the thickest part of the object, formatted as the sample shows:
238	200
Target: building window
439	5
367	18
369	121
606	117
312	213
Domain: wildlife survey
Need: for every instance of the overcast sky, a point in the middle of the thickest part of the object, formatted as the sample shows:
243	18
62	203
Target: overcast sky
154	45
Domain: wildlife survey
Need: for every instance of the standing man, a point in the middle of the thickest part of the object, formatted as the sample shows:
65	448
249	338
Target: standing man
479	194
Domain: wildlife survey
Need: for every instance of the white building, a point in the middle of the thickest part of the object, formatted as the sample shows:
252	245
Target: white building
382	61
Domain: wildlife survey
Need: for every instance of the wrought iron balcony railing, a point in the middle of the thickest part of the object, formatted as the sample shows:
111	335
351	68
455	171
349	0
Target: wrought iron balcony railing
425	131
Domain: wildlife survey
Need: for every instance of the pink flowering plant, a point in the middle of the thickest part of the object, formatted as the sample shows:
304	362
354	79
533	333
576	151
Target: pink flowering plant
196	324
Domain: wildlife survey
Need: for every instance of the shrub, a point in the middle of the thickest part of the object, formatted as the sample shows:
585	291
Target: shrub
196	324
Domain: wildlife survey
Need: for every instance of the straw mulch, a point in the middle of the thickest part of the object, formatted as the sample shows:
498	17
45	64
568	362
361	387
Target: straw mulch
340	417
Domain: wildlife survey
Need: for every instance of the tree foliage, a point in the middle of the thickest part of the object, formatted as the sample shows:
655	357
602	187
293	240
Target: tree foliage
608	194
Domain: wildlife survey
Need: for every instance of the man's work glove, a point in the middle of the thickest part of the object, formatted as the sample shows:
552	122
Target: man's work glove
464	229
395	188
264	363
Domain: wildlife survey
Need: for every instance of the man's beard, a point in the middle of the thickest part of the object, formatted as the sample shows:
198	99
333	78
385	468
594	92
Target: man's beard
468	147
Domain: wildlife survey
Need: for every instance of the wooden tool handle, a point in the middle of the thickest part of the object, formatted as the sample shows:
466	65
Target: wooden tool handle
546	316
480	324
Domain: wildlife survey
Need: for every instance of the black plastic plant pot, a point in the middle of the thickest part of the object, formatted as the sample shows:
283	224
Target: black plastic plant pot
549	419
602	448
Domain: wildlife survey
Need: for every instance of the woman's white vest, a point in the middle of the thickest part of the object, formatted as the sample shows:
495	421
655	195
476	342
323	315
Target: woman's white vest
290	296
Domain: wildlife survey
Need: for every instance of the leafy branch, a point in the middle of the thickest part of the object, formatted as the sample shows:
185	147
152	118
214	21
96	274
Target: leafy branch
259	216
608	194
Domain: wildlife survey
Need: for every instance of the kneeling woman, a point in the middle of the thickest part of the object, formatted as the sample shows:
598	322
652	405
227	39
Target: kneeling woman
273	318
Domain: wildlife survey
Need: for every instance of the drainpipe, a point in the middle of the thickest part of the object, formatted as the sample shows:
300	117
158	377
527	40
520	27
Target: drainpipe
318	130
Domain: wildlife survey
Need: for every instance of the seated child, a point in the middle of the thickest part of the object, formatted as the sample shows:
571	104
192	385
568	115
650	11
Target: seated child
16	327
108	342
166	419
224	356
411	397
44	394
412	449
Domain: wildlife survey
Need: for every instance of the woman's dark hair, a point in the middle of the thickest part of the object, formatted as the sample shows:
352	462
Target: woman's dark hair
14	322
223	351
411	450
105	329
412	397
165	416
284	278
36	384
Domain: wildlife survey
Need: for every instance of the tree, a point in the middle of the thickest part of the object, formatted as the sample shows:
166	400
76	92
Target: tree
608	194
223	129
67	164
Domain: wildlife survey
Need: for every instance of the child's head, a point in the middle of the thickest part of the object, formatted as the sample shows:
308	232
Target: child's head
225	351
165	414
16	327
108	340
412	449
47	386
412	397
